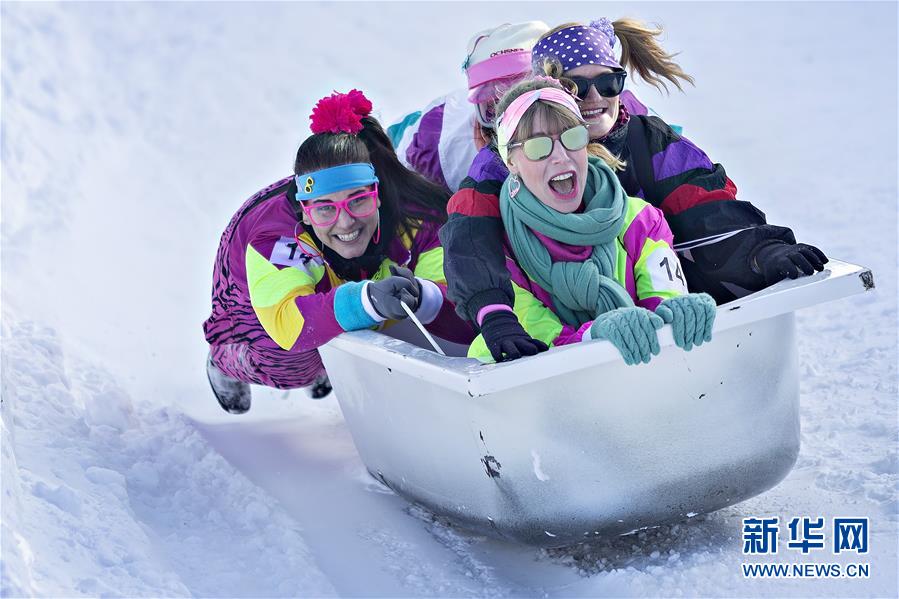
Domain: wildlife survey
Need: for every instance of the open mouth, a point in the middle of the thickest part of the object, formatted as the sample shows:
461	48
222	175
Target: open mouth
564	185
594	113
349	237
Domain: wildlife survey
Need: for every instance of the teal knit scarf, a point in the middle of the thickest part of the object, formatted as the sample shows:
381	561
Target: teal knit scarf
581	291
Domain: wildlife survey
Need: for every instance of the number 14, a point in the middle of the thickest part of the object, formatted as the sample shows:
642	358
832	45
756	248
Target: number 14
677	272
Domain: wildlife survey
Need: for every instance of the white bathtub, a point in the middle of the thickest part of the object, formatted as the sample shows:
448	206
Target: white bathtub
553	449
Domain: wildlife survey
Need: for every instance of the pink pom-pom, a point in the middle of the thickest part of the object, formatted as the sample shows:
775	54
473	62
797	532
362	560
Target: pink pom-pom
359	103
340	113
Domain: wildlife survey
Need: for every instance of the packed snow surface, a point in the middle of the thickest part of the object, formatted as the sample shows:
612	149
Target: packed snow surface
130	134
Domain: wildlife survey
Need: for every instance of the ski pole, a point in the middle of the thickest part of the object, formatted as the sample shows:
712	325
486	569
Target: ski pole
421	328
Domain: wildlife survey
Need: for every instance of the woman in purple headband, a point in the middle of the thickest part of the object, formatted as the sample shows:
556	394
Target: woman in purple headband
338	246
726	246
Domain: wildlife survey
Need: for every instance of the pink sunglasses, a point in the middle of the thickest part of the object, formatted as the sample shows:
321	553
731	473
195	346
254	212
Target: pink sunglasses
361	205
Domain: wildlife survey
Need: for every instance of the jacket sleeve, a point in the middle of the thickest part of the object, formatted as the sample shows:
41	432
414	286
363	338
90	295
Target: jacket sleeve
295	316
438	142
474	264
648	242
473	240
701	206
418	143
722	266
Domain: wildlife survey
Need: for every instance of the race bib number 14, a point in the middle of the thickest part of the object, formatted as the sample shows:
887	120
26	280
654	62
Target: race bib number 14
665	270
289	251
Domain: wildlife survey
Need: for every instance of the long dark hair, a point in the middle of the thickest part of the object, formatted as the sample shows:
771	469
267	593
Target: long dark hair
406	197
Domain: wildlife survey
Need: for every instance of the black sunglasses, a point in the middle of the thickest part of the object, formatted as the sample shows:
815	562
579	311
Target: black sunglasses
608	85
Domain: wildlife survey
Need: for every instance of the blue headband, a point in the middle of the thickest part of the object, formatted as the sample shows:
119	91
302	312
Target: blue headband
336	178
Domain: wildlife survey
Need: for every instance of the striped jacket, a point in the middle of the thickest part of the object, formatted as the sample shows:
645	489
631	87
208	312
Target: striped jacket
275	298
645	265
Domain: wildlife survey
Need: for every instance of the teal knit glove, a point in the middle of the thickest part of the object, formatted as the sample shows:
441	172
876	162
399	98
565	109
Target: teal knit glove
691	318
631	330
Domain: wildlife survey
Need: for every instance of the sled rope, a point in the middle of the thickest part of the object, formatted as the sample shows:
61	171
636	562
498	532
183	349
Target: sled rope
702	241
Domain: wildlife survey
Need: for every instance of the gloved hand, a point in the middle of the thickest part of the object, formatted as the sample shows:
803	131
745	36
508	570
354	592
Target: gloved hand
691	318
386	294
631	330
506	338
777	260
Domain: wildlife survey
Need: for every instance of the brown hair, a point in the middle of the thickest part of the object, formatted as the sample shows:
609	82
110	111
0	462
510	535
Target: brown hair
551	113
641	53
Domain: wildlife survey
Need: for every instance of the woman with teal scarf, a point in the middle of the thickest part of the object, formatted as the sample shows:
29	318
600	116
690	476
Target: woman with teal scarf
587	261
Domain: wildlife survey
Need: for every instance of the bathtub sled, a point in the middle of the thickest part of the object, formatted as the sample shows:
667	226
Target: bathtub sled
554	449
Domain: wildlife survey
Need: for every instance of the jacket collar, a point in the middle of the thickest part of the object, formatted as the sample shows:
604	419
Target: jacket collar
615	139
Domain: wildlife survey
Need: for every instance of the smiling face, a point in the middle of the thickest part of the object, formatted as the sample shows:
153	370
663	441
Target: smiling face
600	113
559	179
348	236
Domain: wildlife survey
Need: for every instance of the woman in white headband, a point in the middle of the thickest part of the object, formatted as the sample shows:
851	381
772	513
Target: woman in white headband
587	261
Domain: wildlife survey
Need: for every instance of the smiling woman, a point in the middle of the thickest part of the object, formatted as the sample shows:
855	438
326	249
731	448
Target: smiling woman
339	246
344	220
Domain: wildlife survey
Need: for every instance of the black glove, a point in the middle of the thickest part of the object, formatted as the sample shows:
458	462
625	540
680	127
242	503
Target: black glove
386	294
776	261
503	334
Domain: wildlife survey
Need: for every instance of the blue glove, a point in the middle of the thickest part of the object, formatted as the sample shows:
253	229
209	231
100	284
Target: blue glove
691	318
631	330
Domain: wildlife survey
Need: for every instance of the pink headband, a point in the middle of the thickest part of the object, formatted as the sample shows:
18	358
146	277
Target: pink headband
509	64
510	118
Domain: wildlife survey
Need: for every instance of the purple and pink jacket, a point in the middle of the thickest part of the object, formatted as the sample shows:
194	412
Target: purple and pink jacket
275	297
646	266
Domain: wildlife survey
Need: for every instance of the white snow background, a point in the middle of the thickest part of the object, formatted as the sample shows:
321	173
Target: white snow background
130	134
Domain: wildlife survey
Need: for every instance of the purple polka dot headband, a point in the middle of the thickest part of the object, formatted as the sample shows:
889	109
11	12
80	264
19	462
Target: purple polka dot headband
579	45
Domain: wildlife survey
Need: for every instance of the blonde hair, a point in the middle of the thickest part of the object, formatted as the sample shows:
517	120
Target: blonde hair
640	54
554	115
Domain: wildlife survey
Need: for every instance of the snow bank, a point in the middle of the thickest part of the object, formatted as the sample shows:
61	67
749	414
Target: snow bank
102	498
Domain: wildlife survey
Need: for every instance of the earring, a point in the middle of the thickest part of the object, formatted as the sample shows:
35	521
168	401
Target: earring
514	186
377	236
296	233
